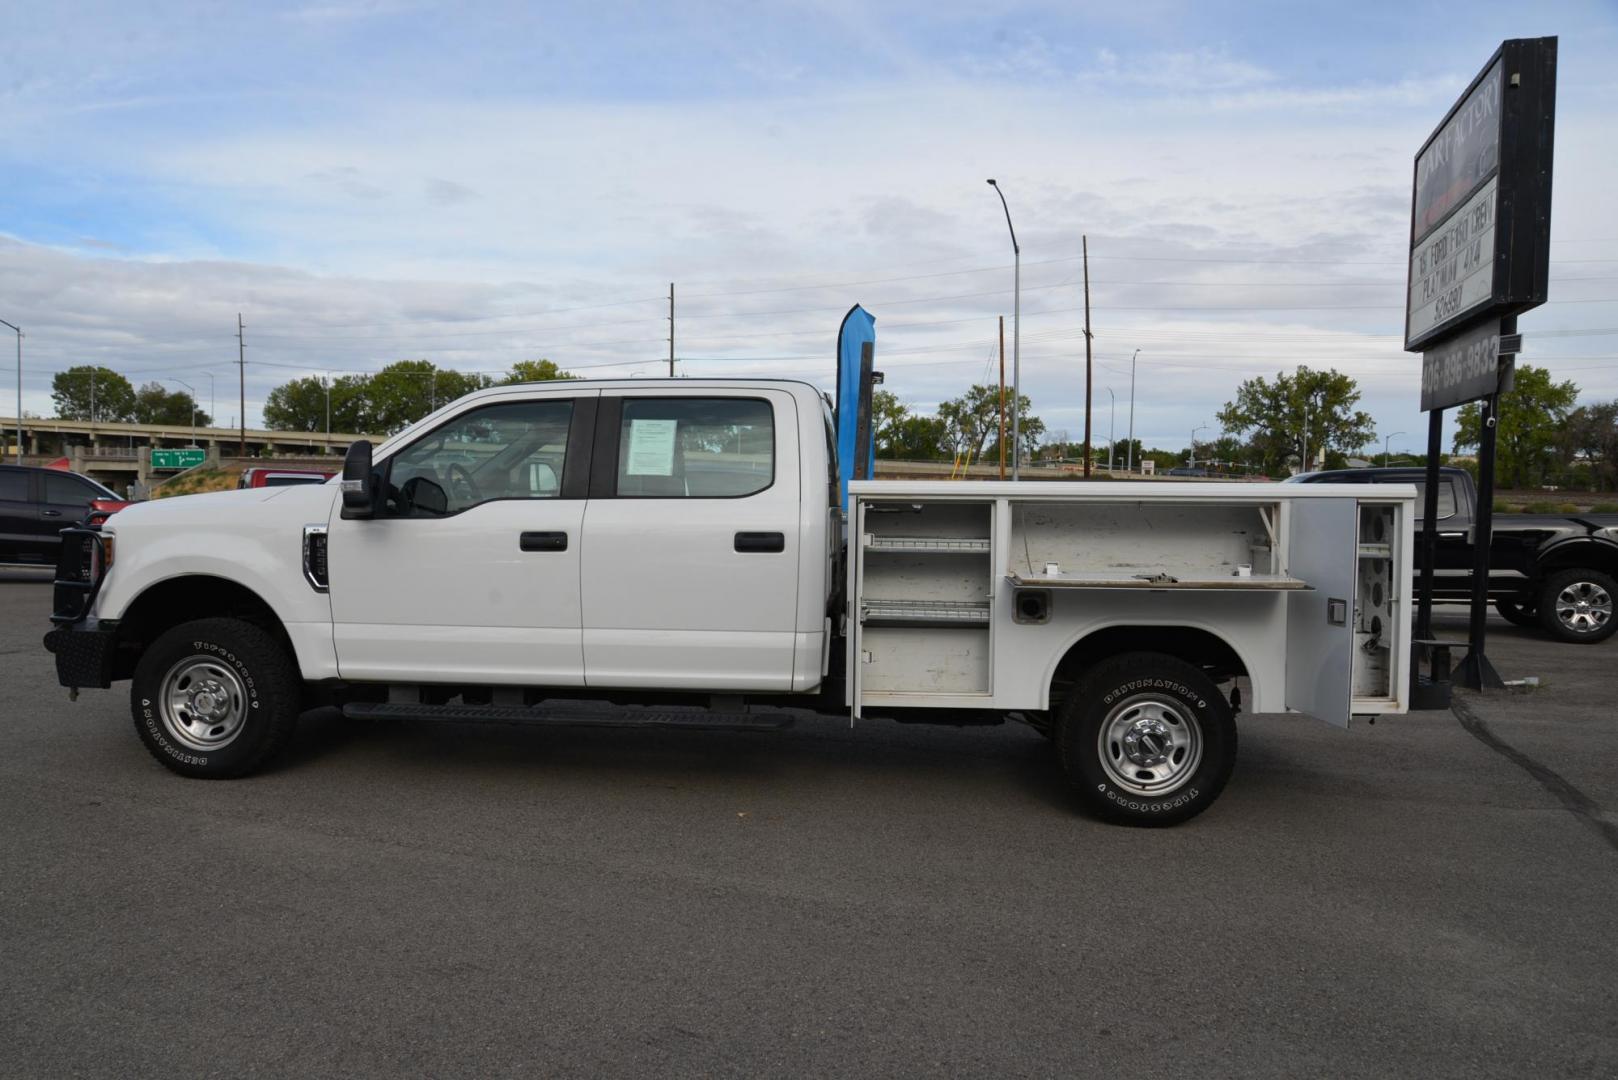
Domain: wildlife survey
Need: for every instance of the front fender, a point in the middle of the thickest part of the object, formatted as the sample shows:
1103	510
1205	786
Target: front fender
253	538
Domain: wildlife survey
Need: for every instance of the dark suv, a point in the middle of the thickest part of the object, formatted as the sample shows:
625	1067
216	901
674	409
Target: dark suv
36	504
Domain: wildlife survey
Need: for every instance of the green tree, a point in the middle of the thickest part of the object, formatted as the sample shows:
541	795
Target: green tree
972	422
1528	429
1590	439
887	414
526	371
1277	417
78	388
156	405
299	405
918	438
405	391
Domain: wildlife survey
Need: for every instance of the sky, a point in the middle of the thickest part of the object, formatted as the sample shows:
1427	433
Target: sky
478	183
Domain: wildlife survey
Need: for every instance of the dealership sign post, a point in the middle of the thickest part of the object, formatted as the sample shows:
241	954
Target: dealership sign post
1480	227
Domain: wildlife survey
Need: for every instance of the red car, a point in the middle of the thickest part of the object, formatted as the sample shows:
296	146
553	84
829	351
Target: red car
266	476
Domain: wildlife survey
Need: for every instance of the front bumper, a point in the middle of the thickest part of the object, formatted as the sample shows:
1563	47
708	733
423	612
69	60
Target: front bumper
83	654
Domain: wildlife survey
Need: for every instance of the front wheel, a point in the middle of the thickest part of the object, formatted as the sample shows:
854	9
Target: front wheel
215	698
1146	739
1576	606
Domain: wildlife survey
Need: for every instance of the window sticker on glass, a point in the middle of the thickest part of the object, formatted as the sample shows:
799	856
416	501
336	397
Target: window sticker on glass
651	447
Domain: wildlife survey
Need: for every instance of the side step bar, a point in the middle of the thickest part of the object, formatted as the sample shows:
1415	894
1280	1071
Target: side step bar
572	715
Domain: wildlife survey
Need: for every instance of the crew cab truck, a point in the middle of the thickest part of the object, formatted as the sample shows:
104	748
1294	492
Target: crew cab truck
681	548
1557	572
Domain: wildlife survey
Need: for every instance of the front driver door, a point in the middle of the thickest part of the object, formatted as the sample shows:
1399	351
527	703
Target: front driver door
472	574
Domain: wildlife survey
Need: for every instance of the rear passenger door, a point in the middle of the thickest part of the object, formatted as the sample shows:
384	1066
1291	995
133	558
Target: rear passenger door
19	518
690	553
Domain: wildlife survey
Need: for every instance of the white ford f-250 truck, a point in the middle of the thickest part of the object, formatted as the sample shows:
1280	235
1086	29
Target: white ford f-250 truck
682	549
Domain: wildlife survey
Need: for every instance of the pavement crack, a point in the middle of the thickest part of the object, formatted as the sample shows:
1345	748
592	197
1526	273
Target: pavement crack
1576	802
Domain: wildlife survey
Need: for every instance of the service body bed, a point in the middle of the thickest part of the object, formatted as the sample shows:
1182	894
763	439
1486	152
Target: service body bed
969	594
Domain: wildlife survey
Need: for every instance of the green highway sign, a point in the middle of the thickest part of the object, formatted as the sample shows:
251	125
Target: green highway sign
188	458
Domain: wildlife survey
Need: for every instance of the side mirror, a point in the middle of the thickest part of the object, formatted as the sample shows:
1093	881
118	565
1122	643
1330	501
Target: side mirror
359	482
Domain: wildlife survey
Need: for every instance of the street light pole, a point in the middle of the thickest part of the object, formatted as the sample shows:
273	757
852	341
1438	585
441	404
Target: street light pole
1200	427
18	329
1016	338
1112	427
1385	443
325	380
193	390
1130	452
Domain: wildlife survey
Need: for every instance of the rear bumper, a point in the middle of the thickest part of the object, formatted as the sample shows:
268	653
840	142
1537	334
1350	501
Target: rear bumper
83	654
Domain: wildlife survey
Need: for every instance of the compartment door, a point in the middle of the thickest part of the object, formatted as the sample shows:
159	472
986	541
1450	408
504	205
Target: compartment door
1320	620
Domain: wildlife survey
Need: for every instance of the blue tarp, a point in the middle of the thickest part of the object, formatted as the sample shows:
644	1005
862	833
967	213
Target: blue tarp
858	330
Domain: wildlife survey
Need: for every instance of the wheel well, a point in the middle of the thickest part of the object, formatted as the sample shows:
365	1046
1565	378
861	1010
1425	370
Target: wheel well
1587	555
1195	646
167	604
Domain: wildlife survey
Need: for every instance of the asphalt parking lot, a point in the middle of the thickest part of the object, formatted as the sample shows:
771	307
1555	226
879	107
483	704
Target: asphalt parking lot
1435	895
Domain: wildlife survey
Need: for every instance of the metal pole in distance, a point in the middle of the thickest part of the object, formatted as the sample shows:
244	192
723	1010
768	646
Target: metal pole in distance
671	329
1129	459
1429	526
18	329
1112	427
1016	339
1476	672
1002	397
241	376
1016	367
1088	367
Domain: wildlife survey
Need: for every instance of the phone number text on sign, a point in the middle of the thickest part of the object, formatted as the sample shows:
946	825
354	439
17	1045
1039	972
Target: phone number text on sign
1452	271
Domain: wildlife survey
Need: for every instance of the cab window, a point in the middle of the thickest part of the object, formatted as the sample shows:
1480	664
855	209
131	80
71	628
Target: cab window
513	450
63	488
715	448
1446	498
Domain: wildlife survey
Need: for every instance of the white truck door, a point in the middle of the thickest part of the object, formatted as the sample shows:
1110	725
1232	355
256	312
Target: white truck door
691	538
473	573
1320	640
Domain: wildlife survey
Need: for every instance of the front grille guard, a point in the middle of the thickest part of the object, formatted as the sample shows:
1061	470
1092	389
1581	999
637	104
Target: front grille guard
80	570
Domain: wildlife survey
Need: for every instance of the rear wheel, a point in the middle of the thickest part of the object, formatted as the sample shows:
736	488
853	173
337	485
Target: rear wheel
1146	739
1577	606
215	698
1517	614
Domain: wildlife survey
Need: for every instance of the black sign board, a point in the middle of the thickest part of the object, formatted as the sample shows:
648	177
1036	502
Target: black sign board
1480	216
1461	368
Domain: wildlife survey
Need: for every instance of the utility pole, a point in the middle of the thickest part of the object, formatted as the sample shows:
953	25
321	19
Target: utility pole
241	371
325	381
1087	361
671	329
1002	397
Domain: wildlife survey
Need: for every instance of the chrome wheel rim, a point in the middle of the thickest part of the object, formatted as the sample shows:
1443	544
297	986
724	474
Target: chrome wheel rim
1584	607
203	703
1149	744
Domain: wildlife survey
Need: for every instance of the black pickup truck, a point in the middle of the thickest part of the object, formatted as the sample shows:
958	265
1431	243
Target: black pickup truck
1547	570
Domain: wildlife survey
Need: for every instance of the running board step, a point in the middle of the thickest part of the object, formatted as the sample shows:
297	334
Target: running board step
572	716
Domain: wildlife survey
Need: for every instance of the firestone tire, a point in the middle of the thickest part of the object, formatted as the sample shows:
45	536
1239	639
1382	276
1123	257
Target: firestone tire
1577	606
215	699
1517	614
1146	739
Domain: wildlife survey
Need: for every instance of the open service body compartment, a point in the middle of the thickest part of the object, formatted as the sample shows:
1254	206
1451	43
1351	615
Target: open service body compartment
969	595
